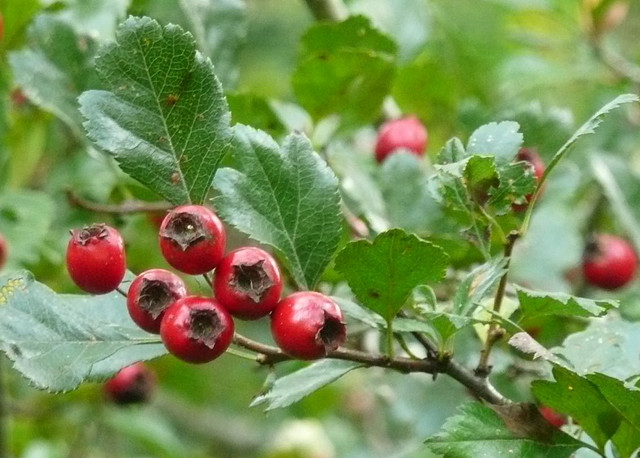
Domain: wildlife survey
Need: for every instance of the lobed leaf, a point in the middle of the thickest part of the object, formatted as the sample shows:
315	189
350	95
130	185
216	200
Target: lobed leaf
534	304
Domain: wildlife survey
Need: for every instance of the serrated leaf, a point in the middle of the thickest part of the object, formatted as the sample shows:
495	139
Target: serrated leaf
608	345
285	197
499	139
295	386
516	184
535	304
163	115
55	68
477	285
60	341
452	151
527	344
344	68
601	405
479	432
382	274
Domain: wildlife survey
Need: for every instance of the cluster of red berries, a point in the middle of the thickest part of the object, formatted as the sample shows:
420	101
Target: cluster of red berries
247	284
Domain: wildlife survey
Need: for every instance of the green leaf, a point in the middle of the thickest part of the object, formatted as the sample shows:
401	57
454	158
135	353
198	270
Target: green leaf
285	197
452	151
95	17
56	68
255	110
608	345
382	274
477	285
601	405
60	341
478	431
344	68
295	386
499	139
220	28
535	304
164	116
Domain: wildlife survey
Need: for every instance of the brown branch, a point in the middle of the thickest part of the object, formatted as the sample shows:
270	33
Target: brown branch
130	206
495	332
269	355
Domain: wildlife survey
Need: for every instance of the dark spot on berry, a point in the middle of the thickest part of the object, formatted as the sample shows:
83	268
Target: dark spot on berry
205	326
251	280
155	296
185	230
332	333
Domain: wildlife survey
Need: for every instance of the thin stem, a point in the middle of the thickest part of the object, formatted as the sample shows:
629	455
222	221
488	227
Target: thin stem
432	351
121	291
130	206
621	67
390	341
208	280
495	332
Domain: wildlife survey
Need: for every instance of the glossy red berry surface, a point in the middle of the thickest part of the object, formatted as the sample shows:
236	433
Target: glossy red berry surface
3	251
192	239
196	329
536	163
308	325
247	283
405	133
552	416
96	258
150	294
609	262
132	384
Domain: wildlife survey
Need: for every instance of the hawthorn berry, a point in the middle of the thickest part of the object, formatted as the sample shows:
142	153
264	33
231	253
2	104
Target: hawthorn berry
308	325
406	133
3	251
247	283
131	385
192	239
553	417
96	258
150	294
608	262
196	329
535	162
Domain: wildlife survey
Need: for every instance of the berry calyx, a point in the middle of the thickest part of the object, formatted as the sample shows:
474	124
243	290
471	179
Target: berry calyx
535	162
196	329
308	325
192	239
553	417
96	258
608	262
405	133
150	294
247	283
131	385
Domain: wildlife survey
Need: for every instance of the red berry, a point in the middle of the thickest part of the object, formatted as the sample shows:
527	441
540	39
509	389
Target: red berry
247	283
552	416
131	385
96	258
3	251
536	164
150	294
404	133
196	329
308	325
192	239
608	262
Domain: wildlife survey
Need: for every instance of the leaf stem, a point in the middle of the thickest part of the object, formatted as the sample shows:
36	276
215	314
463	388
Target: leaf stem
390	341
121	292
129	206
495	332
208	280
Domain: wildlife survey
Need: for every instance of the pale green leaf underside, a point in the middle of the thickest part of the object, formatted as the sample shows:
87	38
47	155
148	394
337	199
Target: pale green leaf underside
163	116
285	197
535	304
59	341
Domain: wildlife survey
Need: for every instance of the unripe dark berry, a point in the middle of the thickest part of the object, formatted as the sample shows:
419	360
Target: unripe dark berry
96	258
553	417
308	325
405	133
609	262
248	283
150	294
535	162
3	251
131	385
192	239
196	329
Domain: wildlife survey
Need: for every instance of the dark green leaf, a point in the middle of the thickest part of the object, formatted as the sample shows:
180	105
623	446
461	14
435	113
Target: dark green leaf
60	341
344	68
382	274
478	431
295	386
285	197
501	140
164	116
536	304
55	68
254	110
